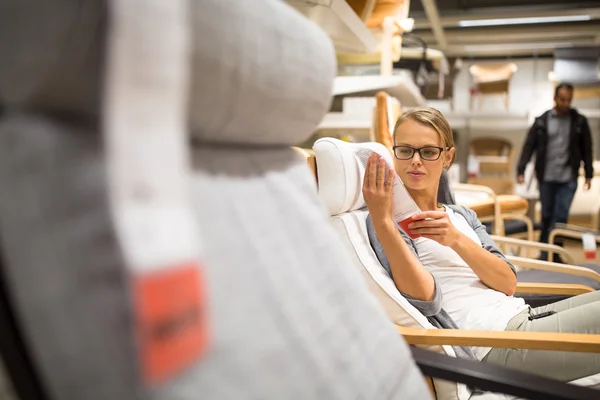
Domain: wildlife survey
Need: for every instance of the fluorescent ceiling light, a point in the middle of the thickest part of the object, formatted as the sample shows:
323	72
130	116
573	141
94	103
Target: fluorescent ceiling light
514	46
527	20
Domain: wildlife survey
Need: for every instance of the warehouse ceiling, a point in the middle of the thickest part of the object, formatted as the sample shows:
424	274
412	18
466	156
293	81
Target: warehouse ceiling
507	28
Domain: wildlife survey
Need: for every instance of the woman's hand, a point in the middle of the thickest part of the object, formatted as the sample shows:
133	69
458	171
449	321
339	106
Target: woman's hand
435	225
377	191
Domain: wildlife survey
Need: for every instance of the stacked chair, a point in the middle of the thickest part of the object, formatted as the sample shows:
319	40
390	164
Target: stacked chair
491	79
495	157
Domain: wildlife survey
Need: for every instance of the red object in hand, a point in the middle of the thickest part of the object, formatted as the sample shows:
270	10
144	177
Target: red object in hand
404	225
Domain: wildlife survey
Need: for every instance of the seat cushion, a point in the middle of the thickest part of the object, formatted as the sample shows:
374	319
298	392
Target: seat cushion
511	226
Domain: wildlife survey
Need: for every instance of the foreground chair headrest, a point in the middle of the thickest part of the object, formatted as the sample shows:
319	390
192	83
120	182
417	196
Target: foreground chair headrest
242	87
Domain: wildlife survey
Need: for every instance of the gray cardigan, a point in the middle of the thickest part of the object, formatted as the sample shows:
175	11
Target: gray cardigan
433	309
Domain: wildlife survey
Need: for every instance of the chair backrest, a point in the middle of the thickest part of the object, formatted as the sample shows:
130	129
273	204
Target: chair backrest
288	319
585	207
488	73
495	158
498	147
340	177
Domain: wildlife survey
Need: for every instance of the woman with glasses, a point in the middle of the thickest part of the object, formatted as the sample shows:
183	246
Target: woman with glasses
452	272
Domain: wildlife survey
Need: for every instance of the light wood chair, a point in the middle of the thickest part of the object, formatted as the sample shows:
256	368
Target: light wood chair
491	79
373	12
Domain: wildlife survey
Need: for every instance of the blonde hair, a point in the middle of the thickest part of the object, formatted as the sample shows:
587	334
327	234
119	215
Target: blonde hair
431	118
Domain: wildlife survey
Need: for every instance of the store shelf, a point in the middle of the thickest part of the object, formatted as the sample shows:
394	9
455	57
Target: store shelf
336	17
401	87
337	120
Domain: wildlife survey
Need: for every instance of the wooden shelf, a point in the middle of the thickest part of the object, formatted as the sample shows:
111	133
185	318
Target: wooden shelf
347	31
401	87
337	120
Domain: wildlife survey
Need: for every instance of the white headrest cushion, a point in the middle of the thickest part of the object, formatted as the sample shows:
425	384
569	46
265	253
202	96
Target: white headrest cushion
340	174
262	73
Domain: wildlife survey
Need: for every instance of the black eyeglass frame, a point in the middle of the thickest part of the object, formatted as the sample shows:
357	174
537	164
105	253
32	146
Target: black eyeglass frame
415	150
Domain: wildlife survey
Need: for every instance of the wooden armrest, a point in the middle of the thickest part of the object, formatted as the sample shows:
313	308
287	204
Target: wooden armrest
573	234
576	228
502	339
555	267
552	288
509	204
535	245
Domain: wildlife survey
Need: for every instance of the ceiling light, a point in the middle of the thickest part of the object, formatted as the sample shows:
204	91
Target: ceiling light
526	20
513	46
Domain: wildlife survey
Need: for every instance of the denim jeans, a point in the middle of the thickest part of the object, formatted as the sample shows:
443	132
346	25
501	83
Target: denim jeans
556	200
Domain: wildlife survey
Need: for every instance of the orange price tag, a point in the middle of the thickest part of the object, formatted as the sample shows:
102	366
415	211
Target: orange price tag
171	320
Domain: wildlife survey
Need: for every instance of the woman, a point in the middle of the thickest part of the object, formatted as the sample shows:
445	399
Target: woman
453	273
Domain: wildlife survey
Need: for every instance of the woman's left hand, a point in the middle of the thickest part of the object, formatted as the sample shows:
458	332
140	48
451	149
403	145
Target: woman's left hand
435	225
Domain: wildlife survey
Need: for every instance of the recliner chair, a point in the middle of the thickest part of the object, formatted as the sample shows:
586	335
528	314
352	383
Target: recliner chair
339	177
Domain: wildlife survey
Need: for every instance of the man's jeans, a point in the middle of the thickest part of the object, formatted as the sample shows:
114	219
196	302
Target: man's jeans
556	200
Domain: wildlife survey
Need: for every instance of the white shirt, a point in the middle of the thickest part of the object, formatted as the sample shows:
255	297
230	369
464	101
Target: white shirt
468	301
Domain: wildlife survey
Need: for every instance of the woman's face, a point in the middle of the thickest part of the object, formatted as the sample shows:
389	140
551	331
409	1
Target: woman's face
418	173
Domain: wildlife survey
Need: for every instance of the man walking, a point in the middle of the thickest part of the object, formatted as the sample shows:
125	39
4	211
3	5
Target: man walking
561	139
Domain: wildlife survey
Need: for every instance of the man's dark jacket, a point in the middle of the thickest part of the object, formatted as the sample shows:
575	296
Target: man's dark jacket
580	146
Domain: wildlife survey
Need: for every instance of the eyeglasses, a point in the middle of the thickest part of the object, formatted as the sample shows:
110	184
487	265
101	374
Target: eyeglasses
428	153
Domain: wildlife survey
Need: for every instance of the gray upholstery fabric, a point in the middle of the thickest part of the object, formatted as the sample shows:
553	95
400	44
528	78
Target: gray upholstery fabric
52	54
62	260
242	91
291	319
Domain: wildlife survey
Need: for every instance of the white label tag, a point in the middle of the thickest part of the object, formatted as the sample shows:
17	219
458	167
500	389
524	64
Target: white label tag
589	246
146	140
146	108
473	166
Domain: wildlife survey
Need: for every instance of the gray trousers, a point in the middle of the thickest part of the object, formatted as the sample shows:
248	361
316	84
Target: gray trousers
578	314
